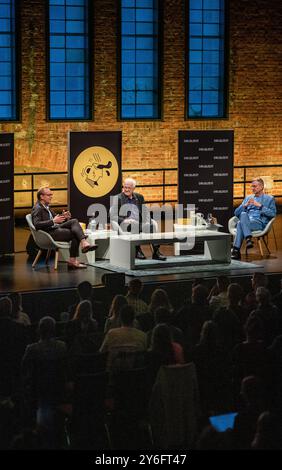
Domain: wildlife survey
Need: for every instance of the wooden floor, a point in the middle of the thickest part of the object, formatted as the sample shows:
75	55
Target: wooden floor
16	273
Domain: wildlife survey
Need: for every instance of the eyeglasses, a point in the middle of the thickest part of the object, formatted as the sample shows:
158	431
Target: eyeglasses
48	194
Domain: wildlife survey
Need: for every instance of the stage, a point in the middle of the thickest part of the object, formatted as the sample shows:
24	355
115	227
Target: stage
46	291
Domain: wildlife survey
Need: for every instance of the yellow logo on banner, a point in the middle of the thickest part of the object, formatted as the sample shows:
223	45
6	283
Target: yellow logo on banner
95	171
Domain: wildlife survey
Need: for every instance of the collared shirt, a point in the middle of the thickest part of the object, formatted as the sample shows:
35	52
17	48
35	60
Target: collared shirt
50	213
134	211
254	212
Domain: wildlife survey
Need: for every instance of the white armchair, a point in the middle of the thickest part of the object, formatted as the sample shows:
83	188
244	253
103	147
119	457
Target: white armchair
44	241
259	234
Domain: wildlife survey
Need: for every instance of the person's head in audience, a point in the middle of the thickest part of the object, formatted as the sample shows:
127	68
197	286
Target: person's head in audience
258	280
159	298
135	287
84	290
222	283
263	297
162	315
252	392
117	303
209	334
268	432
83	312
47	328
16	299
200	295
253	329
162	343
127	316
5	307
235	294
211	439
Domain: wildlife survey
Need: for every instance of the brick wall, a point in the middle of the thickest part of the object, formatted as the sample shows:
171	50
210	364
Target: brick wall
254	89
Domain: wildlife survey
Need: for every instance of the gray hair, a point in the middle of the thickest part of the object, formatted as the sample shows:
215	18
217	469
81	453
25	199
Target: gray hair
131	181
259	180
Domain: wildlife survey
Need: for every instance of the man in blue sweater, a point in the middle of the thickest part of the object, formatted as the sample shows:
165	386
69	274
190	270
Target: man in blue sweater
254	214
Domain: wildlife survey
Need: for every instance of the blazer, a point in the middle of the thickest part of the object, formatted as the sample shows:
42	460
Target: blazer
268	208
121	199
41	218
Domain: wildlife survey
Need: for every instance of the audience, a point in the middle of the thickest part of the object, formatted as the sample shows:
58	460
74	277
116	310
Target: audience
237	358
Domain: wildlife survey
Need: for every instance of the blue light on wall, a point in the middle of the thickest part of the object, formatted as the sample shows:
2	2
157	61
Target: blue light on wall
206	59
8	78
139	55
69	88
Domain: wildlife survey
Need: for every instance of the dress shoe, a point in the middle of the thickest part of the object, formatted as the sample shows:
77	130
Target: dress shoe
89	248
249	244
157	255
140	254
235	254
76	266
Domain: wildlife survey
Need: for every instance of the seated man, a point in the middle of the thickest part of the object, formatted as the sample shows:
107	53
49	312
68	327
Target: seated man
133	218
61	227
254	214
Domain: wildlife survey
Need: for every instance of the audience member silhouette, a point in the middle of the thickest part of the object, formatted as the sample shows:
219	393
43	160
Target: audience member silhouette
191	317
133	297
268	432
268	314
17	311
159	298
251	406
113	320
218	294
80	329
46	378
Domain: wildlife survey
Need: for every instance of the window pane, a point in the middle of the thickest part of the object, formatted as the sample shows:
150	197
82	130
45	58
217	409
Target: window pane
139	42
8	47
206	43
69	59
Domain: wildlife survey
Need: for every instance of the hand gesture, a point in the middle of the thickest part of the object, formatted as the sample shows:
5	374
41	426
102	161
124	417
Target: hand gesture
253	202
59	219
66	214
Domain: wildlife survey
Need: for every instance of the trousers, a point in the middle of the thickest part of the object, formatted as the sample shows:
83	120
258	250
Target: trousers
69	231
245	227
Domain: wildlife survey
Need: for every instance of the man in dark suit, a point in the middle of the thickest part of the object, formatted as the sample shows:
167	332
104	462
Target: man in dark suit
133	215
60	226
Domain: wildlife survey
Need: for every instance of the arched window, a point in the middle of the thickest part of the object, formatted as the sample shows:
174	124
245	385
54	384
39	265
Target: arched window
206	59
8	62
69	60
139	78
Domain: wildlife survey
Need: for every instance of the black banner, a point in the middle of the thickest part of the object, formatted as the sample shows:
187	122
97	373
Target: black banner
6	193
205	172
94	172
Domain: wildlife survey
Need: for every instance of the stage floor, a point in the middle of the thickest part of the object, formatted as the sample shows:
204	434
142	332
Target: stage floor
16	273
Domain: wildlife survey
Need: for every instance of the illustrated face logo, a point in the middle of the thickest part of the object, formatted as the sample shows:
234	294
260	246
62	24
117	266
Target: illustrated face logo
95	171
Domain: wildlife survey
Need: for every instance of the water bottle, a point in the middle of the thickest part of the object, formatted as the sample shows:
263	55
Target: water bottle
210	219
92	225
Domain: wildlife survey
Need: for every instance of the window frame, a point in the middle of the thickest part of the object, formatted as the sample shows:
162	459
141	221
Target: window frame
91	21
18	68
225	69
160	67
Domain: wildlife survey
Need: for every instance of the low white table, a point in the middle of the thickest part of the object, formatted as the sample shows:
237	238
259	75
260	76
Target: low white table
122	248
217	245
